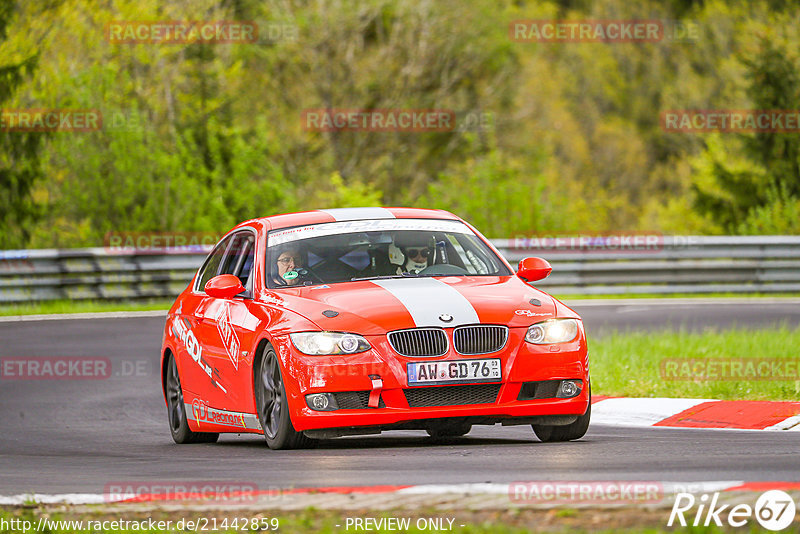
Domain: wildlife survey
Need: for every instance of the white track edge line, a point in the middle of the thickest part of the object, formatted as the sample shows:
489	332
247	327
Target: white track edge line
423	489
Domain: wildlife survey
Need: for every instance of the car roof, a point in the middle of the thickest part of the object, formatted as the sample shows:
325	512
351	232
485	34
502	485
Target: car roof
288	220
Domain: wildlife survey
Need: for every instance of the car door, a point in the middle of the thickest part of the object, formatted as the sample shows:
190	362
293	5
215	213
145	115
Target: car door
199	378
228	328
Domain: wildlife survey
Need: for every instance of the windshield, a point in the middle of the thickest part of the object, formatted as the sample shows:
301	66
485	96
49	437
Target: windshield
338	252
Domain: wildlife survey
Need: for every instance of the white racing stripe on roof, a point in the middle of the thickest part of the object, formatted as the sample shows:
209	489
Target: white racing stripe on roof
280	237
427	298
355	214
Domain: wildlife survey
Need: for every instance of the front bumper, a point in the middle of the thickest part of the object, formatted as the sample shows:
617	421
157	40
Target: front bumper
521	363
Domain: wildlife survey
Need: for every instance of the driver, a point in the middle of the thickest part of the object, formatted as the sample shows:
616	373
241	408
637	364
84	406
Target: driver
410	252
289	267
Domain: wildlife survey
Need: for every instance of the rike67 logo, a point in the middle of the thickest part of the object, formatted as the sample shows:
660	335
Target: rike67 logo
774	510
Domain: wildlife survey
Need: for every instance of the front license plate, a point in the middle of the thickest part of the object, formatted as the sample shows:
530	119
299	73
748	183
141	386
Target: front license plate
449	372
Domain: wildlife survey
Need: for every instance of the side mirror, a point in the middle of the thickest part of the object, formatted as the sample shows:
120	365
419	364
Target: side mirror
224	286
532	269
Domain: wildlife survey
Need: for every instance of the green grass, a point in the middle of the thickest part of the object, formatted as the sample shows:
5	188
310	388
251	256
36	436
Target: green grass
629	364
83	306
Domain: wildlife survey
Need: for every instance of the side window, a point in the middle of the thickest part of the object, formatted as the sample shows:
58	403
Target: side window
240	257
245	275
357	259
482	262
211	266
467	258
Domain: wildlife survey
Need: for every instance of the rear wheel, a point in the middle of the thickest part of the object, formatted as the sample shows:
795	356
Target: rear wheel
273	407
569	432
176	410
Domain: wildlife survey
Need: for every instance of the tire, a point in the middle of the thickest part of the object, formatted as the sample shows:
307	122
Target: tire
576	430
272	405
176	411
448	430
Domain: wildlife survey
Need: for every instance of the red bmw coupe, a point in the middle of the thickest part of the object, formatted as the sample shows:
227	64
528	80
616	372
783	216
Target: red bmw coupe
339	322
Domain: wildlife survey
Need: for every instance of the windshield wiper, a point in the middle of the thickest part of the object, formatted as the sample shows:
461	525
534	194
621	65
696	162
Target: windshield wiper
385	277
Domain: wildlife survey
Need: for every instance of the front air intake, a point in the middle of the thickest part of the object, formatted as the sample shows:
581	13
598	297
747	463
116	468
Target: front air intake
452	395
419	342
479	339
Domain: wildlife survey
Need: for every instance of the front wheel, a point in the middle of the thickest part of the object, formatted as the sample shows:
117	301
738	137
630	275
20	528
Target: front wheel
273	407
176	410
569	432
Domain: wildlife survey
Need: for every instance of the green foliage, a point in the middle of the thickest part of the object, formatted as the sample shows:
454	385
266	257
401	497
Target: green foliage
727	183
500	196
19	151
752	184
780	215
337	194
775	84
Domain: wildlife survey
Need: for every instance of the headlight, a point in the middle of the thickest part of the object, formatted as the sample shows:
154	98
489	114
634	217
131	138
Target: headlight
321	343
552	331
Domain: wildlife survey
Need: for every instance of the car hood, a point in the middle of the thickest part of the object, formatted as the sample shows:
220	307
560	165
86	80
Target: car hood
373	307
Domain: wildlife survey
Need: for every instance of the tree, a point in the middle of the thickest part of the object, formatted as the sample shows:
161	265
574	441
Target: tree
19	152
754	191
775	84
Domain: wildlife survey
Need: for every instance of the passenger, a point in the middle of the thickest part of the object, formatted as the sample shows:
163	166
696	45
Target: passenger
290	269
411	253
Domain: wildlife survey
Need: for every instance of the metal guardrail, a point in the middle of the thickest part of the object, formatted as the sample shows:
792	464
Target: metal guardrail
94	273
669	264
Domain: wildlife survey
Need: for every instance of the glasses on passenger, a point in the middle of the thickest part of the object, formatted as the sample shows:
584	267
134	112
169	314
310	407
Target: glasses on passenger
418	252
288	260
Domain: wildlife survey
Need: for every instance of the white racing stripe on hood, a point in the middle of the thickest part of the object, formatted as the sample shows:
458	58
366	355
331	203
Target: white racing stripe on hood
355	214
427	298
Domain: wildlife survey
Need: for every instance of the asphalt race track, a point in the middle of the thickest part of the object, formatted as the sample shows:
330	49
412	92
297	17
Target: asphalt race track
77	436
